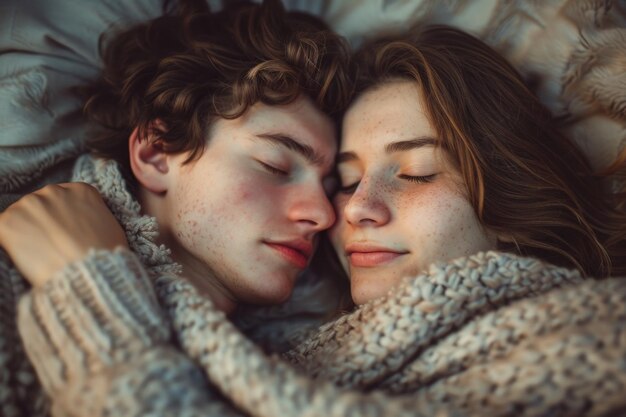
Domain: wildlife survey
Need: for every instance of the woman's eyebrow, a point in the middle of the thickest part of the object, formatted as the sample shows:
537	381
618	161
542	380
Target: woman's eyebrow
290	143
406	145
400	146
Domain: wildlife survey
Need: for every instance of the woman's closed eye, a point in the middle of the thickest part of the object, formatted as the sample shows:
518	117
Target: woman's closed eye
420	179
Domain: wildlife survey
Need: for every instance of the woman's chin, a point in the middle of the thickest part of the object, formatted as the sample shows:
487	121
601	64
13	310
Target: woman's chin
365	290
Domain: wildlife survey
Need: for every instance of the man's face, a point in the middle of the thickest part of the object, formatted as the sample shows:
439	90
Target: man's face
245	214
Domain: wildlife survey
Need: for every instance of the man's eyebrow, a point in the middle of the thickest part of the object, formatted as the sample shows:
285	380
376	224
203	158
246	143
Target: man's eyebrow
407	145
290	143
403	145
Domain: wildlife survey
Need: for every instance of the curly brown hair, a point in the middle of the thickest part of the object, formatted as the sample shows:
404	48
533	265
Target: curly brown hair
190	67
525	180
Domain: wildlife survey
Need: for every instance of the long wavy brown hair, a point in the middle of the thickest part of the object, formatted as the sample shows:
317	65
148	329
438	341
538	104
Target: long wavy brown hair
192	66
525	180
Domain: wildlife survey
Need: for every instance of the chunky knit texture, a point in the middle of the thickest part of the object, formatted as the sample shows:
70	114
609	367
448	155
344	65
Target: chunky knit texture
122	333
491	334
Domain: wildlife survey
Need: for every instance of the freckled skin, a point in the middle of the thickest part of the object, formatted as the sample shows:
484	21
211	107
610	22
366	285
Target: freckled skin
219	210
432	221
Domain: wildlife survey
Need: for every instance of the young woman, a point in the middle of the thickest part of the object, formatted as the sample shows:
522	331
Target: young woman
446	153
446	156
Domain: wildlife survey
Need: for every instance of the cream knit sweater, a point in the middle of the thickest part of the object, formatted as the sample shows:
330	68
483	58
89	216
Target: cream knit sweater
121	333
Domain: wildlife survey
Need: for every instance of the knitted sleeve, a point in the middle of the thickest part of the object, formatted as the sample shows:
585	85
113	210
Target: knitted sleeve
101	345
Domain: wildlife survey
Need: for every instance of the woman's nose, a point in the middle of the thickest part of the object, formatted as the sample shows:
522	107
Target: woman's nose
367	206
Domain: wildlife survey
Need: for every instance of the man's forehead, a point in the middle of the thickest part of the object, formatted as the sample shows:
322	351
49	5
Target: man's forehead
299	120
315	155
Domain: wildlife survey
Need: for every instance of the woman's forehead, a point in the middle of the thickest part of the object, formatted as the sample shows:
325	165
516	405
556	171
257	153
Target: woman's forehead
389	113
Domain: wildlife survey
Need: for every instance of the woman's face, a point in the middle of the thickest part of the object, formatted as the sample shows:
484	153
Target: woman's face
402	205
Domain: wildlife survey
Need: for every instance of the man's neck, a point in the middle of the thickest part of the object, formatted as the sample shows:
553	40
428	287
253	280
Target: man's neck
206	283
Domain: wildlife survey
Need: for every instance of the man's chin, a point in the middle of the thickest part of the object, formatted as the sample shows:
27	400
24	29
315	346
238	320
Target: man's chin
276	289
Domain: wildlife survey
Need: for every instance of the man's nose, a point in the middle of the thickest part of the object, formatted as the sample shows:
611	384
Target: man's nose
312	209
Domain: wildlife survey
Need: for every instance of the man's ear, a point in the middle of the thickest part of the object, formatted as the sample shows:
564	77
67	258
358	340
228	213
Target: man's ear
148	161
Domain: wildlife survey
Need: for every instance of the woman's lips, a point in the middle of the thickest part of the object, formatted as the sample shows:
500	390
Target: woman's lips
371	259
368	254
292	255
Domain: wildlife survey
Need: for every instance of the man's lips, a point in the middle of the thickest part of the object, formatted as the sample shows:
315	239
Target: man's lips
365	255
297	252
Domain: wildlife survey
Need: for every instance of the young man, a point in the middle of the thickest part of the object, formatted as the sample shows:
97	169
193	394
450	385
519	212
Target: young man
218	133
